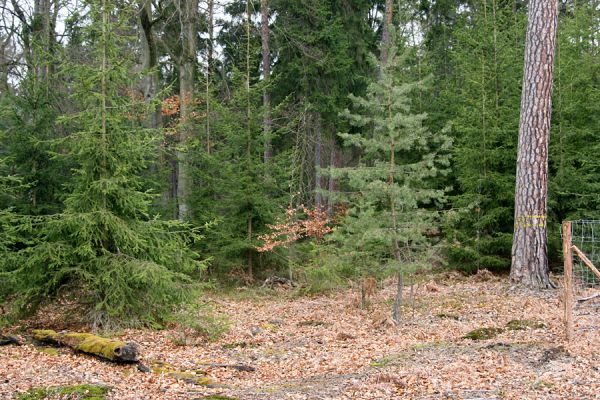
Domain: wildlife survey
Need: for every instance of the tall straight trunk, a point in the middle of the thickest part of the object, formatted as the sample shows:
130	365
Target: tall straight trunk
266	65
5	56
150	80
335	161
26	34
150	87
209	61
396	312
40	28
187	65
103	91
250	251
529	251
318	162
385	37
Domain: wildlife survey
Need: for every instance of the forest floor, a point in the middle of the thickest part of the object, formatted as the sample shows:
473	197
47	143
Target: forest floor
326	347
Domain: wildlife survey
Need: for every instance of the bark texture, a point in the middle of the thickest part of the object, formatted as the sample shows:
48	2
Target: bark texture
187	66
385	37
209	61
266	66
529	251
149	55
335	161
318	163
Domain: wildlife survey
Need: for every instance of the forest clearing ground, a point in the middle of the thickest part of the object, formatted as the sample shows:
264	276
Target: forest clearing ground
325	347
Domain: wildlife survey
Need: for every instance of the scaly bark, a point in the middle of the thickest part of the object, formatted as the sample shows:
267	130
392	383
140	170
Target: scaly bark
529	251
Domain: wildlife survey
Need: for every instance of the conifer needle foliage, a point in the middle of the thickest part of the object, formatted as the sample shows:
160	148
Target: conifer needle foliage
392	199
125	266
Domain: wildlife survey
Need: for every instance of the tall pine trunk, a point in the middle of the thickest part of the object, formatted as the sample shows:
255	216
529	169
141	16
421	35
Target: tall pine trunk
529	251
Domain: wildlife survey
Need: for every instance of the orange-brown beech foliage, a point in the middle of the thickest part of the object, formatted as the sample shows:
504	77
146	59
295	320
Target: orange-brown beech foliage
314	223
170	106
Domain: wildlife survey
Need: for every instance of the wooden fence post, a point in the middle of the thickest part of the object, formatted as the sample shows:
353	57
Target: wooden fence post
568	284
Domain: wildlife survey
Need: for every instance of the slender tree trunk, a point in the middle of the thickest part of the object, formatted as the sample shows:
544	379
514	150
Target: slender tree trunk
103	91
385	37
529	251
150	88
188	17
150	80
5	56
266	65
26	34
318	162
335	161
250	251
209	61
40	26
394	217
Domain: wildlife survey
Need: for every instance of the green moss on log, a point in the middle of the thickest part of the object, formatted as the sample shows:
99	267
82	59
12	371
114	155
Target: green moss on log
78	392
110	349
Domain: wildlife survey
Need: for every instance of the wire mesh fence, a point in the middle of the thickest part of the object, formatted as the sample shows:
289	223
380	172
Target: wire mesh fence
581	251
585	235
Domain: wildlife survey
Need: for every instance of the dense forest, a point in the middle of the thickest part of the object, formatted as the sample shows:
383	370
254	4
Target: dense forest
150	148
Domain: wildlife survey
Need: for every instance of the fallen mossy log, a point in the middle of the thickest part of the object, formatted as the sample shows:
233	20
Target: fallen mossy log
9	339
110	349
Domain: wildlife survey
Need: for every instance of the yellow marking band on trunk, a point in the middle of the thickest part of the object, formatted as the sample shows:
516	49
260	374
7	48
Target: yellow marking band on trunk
524	221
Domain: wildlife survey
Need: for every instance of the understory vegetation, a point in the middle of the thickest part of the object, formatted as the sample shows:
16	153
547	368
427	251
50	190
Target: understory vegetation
154	151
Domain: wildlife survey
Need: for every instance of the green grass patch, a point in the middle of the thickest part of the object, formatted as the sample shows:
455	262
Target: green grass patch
430	345
75	392
523	324
392	359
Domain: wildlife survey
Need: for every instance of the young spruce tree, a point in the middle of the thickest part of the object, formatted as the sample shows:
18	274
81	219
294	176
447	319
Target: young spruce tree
393	203
125	266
